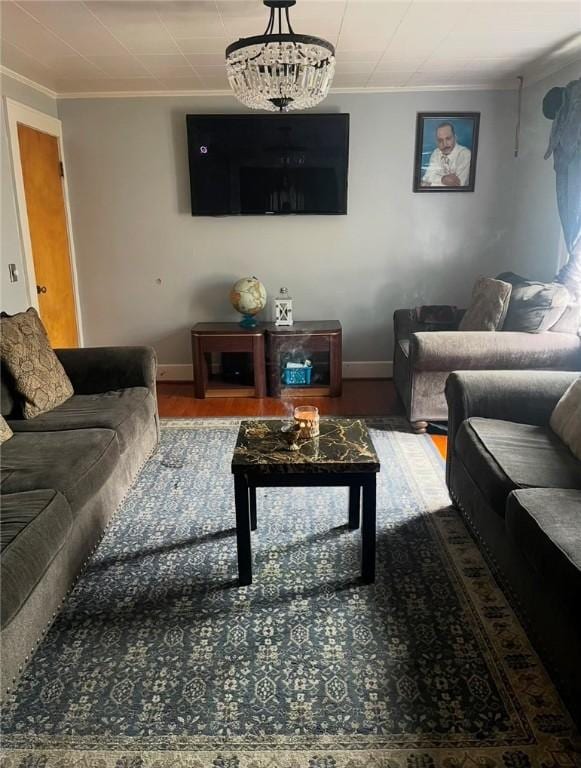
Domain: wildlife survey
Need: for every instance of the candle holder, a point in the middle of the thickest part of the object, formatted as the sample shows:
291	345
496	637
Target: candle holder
307	419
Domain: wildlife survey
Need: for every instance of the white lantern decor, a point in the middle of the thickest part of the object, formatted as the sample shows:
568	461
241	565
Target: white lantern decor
283	308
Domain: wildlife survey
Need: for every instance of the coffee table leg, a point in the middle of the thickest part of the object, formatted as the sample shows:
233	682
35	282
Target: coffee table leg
368	531
354	506
253	521
243	530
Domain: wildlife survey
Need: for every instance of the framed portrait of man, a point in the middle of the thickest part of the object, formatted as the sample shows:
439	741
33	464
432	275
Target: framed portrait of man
446	147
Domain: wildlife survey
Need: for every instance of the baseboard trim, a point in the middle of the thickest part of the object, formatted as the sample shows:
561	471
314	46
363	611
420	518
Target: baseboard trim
371	369
368	369
173	372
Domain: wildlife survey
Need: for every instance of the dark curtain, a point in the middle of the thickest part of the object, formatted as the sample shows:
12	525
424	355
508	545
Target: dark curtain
565	146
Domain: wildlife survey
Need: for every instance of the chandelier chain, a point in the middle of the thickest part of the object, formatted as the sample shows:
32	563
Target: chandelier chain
290	29
270	24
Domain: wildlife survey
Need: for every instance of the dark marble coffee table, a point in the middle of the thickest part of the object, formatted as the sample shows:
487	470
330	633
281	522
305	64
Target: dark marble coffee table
342	455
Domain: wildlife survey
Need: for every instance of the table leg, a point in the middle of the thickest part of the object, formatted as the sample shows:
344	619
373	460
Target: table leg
259	366
368	531
253	521
354	506
198	360
243	530
335	365
273	365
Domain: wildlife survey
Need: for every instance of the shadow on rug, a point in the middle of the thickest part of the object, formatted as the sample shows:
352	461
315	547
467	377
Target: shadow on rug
159	659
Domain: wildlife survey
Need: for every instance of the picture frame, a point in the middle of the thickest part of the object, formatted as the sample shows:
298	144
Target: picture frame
446	151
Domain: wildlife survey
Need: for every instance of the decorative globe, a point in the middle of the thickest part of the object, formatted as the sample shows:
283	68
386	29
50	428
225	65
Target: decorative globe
248	296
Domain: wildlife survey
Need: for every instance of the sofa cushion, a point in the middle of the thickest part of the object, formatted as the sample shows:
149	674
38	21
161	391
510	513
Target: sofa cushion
566	418
546	526
76	462
38	375
534	307
5	431
35	525
436	317
8	403
404	345
570	320
503	456
126	411
488	306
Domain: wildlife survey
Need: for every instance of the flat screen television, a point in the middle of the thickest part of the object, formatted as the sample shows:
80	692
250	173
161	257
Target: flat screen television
268	164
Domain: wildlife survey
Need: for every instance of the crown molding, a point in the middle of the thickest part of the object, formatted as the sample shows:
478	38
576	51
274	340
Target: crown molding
536	76
221	93
27	81
564	54
140	94
226	93
542	74
423	88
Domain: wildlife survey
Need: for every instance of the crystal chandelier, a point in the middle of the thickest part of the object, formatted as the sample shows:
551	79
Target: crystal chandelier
280	70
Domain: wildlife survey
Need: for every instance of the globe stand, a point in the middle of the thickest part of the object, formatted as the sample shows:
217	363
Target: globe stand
248	321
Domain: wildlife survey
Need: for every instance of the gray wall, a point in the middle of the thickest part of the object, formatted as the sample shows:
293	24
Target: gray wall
128	183
13	295
148	270
537	243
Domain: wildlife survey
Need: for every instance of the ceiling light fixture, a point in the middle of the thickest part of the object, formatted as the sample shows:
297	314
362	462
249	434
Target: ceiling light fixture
279	71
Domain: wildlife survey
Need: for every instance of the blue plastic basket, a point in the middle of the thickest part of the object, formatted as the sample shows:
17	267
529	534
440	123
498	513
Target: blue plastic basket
294	377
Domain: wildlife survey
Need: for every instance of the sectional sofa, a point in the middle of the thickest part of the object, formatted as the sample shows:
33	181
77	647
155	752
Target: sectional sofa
519	489
63	475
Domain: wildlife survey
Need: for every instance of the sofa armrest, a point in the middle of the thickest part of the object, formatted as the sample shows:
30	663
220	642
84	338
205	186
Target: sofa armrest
486	350
101	369
526	397
402	323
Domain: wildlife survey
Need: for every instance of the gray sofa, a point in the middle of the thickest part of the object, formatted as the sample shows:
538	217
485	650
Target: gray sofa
423	359
63	474
519	489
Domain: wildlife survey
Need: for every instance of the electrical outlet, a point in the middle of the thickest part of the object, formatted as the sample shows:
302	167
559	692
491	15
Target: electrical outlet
13	272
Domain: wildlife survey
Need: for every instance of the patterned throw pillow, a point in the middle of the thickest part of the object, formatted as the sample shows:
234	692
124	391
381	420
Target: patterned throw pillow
39	377
5	431
566	418
488	307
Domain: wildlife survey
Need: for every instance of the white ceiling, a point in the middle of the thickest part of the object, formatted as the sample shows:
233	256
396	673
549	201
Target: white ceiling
103	46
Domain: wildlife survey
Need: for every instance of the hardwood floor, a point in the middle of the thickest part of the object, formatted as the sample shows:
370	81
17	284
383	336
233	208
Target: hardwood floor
361	397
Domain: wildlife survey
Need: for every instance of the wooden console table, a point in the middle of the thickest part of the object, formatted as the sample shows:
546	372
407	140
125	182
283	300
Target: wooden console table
225	338
320	342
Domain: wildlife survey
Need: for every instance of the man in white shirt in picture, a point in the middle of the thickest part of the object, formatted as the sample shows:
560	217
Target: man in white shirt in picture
449	163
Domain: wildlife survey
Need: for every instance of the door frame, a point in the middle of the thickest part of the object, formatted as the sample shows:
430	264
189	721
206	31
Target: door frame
20	113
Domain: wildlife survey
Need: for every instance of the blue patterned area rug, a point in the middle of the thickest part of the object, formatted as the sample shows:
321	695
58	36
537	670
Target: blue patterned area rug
160	660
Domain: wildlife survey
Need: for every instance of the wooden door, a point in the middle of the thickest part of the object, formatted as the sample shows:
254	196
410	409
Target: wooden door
47	222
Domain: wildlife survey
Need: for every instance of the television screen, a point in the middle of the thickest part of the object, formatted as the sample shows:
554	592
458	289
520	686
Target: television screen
268	164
